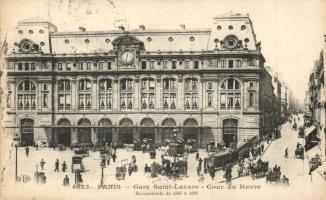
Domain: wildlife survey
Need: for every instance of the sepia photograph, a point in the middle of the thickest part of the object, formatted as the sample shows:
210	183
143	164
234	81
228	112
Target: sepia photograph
162	99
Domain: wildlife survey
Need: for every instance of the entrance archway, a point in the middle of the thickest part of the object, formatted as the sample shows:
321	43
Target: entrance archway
230	132
63	132
27	131
104	134
126	131
147	129
84	131
167	129
190	130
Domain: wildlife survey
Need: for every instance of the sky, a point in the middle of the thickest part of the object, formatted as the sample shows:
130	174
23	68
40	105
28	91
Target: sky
291	31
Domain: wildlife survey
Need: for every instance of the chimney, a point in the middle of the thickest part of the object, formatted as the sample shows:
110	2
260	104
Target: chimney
142	27
82	29
182	26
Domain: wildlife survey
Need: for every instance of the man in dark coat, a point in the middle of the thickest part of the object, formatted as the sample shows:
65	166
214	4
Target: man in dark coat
56	165
66	181
114	156
200	162
27	151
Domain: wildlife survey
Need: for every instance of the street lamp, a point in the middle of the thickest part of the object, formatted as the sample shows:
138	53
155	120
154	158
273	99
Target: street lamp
16	138
102	175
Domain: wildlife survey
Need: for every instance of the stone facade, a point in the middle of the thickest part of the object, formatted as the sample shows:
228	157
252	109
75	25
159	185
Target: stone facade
82	87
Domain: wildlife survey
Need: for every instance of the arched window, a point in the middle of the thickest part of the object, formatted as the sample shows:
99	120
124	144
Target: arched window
64	96
26	95
191	94
148	93
230	92
126	94
84	96
169	93
105	94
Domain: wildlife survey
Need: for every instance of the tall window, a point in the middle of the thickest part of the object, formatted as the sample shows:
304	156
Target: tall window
148	93
251	99
191	94
64	95
165	64
26	95
196	64
105	94
169	93
230	64
238	64
126	94
230	95
223	63
81	66
186	64
84	95
45	94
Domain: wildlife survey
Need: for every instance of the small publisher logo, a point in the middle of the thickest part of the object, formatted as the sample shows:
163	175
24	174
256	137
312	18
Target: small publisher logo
23	178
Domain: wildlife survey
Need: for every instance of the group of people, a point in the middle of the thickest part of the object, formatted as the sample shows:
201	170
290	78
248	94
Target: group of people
57	164
257	150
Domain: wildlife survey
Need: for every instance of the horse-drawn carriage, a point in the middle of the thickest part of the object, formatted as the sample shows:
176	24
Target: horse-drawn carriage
259	169
82	151
77	163
301	132
299	152
176	149
191	145
120	173
314	162
273	178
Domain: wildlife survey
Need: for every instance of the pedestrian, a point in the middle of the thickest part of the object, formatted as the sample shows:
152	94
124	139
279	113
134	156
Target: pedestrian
197	156
108	160
200	162
212	173
114	156
154	153
129	169
64	166
27	151
262	147
286	155
36	146
42	163
43	179
201	179
66	181
147	169
198	170
79	178
57	165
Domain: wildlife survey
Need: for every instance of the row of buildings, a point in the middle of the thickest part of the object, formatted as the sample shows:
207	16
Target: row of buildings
122	85
315	101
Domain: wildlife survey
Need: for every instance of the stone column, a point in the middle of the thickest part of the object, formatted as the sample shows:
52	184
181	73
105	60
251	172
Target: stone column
115	94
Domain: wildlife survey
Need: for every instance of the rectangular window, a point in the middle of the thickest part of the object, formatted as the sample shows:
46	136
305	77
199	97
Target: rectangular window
152	64
174	65
144	102
43	65
68	66
165	64
20	66
223	63
26	66
238	64
101	65
123	103
230	63
172	101
20	102
60	66
209	99
187	101
45	87
143	64
129	100
165	101
186	66
33	66
251	99
194	101
88	101
88	67
81	66
196	64
81	102
151	85
109	65
45	100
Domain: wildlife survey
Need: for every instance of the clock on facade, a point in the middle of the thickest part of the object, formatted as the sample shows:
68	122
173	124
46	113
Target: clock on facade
127	58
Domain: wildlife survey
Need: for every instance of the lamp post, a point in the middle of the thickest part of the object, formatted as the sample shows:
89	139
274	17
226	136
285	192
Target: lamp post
102	175
16	138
